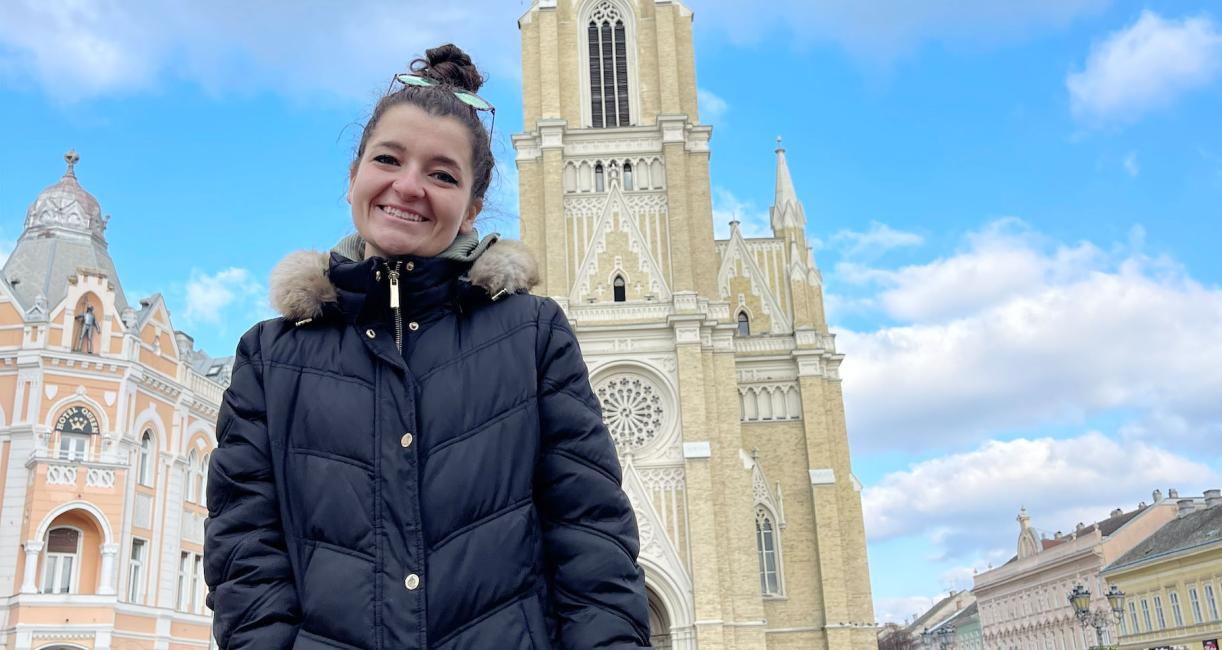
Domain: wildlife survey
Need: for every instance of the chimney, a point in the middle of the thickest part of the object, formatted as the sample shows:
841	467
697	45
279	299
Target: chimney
1079	527
1158	496
1173	493
1213	498
1058	535
1186	507
1115	513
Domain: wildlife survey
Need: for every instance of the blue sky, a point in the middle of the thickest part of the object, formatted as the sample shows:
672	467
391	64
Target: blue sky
1017	210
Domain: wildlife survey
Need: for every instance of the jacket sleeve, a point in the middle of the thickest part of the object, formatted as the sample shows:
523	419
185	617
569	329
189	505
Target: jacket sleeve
589	529
246	565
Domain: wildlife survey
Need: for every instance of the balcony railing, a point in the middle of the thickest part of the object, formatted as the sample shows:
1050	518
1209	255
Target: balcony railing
65	467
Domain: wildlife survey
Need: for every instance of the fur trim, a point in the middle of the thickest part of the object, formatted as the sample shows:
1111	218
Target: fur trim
300	287
507	266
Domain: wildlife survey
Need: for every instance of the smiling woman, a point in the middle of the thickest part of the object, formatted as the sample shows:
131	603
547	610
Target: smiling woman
412	456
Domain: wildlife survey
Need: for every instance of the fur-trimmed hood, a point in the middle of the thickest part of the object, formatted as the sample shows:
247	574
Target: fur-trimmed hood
300	286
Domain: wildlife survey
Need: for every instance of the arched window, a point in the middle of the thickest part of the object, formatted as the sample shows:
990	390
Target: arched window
766	544
192	473
144	471
61	561
599	185
203	480
76	427
618	287
608	63
627	176
744	324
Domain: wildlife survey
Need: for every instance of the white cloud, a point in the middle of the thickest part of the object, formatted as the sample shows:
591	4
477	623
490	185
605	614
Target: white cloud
1145	66
79	49
900	609
753	221
209	295
875	32
968	501
1013	332
1130	164
712	107
879	239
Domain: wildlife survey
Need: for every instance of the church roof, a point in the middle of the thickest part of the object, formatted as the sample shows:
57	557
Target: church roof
64	231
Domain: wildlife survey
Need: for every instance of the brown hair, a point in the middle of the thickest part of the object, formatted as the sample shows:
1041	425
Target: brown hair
453	69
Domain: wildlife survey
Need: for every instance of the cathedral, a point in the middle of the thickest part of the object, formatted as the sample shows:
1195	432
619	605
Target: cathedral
718	377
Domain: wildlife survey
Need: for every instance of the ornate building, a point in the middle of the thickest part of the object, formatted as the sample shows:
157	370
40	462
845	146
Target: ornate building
1024	603
107	417
717	373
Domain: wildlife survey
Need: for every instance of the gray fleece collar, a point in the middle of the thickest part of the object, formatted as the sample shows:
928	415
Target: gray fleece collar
466	247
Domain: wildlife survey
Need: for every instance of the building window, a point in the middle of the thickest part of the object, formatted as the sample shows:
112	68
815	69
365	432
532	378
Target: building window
1133	616
190	582
61	561
608	58
135	572
203	480
599	184
766	545
192	473
627	176
744	324
1158	613
1124	629
1212	602
1145	614
197	584
618	289
144	472
1195	601
73	446
1176	615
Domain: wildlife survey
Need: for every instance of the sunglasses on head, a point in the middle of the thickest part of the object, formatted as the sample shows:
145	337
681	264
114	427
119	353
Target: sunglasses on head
469	98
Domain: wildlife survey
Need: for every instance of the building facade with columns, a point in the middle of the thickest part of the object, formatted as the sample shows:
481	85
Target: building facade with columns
107	417
718	377
1024	604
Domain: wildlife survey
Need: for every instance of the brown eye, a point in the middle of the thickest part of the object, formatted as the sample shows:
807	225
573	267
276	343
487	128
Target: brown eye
445	178
386	159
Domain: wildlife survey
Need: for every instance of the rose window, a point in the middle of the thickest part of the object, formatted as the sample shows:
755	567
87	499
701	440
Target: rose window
632	408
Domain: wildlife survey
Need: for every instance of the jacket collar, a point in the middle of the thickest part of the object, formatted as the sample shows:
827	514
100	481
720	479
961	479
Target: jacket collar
306	284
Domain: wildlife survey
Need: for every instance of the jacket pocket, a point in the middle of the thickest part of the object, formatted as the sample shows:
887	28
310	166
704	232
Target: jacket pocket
310	641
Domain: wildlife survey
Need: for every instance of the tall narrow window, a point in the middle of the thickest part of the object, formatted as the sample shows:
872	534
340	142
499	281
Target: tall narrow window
618	289
184	581
1158	612
1195	602
1211	601
145	469
73	446
1145	614
203	480
1133	617
1176	614
627	176
599	185
135	572
192	470
765	542
197	583
744	324
61	560
608	54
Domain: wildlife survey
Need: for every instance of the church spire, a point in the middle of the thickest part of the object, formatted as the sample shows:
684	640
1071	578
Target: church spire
786	210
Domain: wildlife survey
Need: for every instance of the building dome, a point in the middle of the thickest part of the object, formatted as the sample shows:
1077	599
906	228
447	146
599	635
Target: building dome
67	205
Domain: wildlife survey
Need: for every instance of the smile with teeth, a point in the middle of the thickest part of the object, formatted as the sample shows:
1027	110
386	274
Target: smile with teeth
402	214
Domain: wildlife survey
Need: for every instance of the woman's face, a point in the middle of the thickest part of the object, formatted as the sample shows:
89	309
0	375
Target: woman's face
411	190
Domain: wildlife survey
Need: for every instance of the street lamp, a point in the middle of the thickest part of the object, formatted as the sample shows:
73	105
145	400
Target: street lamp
946	634
1079	598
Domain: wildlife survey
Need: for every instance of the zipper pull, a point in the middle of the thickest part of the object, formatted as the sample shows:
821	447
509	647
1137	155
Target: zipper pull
393	274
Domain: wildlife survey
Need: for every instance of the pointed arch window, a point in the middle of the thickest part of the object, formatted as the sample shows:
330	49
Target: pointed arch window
619	290
192	473
144	471
62	561
599	184
627	175
203	479
744	324
769	552
607	41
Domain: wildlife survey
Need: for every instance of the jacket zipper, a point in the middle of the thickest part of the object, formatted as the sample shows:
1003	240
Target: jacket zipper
393	274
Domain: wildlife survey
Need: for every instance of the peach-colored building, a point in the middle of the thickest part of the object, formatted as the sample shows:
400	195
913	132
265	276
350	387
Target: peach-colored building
1024	604
107	417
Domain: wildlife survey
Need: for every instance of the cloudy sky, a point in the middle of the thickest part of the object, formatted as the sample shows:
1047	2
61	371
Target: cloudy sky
1017	208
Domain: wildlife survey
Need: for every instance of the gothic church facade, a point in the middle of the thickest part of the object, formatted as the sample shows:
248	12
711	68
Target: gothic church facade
712	358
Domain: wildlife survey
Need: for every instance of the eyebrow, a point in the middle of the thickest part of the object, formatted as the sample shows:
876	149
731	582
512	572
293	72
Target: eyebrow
439	158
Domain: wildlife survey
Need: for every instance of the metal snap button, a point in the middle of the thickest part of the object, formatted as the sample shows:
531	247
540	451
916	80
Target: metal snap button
411	582
413	326
406	440
409	266
370	333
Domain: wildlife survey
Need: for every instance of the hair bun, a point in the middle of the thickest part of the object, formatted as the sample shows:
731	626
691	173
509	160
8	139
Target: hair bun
449	65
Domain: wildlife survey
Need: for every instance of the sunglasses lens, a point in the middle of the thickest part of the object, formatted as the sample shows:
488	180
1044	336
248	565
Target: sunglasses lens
473	101
413	80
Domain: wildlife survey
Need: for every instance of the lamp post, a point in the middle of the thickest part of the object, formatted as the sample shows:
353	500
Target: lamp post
946	634
1079	598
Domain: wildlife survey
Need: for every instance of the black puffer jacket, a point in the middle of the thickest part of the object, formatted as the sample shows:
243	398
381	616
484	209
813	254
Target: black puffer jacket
461	495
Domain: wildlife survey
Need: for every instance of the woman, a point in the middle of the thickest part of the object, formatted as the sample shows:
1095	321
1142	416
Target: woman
412	456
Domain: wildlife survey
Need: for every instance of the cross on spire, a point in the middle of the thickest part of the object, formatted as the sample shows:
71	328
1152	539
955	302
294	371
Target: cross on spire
71	158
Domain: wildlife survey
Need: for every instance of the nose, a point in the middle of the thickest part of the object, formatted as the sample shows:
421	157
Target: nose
409	183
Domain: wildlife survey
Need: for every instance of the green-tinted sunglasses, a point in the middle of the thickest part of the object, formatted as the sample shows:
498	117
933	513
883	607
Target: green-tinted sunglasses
466	97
